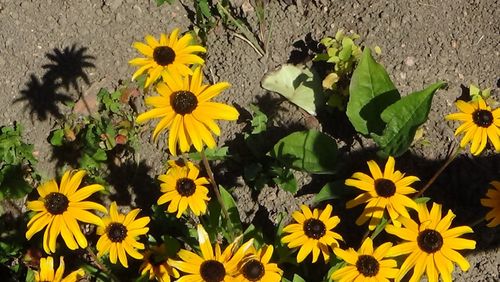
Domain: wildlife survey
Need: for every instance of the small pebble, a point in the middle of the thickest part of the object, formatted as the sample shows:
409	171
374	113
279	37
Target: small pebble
410	61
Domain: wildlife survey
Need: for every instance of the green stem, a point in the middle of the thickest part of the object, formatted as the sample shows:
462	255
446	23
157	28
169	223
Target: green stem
246	32
101	266
214	184
440	170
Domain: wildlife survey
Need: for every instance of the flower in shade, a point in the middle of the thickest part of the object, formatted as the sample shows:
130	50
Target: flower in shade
169	55
367	264
211	266
312	233
382	191
255	267
185	108
157	265
431	245
119	235
492	201
480	123
183	188
46	272
59	209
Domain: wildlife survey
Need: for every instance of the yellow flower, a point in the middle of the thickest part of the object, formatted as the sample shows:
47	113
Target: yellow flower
169	55
156	263
431	245
382	191
255	267
480	123
184	106
312	233
209	267
365	265
492	201
46	272
182	188
119	235
60	208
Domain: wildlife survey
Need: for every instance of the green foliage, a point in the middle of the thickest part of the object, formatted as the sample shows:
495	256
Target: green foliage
215	154
96	139
371	92
259	120
299	84
16	163
332	191
310	151
476	93
375	108
232	224
403	119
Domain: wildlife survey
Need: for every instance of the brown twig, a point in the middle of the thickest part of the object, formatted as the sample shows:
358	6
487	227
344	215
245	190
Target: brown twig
214	184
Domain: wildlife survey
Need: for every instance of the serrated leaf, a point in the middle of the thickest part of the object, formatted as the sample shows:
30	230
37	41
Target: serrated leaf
259	120
298	84
371	91
308	150
403	119
57	137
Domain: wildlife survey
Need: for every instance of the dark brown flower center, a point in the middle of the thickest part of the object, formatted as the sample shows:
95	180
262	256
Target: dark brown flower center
117	232
56	203
367	265
385	187
212	271
314	228
185	186
483	118
253	270
163	55
430	241
183	102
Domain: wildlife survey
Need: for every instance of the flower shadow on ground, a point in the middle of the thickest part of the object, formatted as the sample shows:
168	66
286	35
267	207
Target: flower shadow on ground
67	68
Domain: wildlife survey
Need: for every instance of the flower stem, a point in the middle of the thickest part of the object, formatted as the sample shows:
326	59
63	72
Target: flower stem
450	159
99	265
214	184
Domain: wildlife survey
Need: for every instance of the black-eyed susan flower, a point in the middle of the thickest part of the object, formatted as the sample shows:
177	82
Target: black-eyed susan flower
183	188
312	233
431	245
46	272
492	201
382	191
480	123
255	267
169	55
184	106
211	266
367	264
119	235
156	264
59	209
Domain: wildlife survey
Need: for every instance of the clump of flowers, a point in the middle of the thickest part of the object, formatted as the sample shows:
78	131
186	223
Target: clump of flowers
431	244
480	123
367	263
182	187
184	107
312	233
119	235
492	201
59	209
210	266
170	55
382	191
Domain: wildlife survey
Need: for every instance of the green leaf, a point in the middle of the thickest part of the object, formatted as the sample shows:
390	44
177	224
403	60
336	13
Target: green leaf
57	137
371	91
285	179
12	183
297	278
232	209
422	200
214	154
333	190
300	85
379	228
259	120
403	119
309	150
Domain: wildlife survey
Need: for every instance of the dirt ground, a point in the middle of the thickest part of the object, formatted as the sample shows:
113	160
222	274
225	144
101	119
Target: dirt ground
456	41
